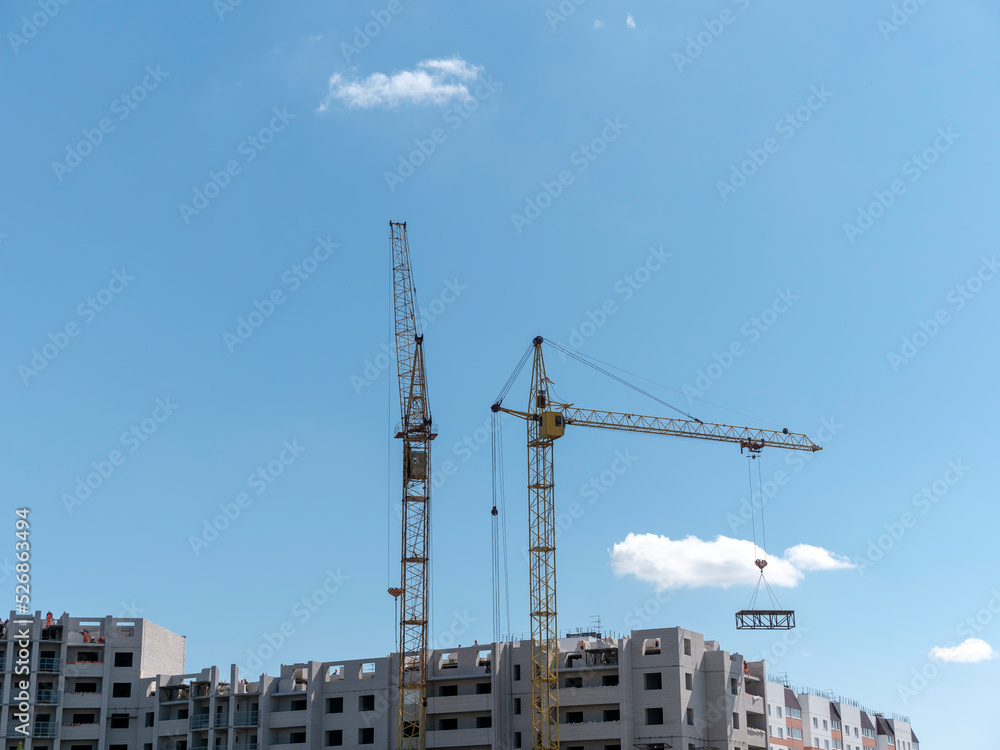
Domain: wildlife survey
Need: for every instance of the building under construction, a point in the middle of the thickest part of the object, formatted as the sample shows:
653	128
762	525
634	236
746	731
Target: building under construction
122	686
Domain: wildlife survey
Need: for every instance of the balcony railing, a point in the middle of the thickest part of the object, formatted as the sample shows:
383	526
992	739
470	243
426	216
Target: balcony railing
44	729
200	721
47	696
221	720
245	719
48	665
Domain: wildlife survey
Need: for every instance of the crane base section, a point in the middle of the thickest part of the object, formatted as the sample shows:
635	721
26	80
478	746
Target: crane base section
765	619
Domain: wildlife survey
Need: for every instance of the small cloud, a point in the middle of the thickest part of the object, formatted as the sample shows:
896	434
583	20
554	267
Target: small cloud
629	21
599	24
807	557
969	651
431	82
721	562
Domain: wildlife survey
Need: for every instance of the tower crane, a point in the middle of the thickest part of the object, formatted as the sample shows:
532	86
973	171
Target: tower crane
416	431
547	421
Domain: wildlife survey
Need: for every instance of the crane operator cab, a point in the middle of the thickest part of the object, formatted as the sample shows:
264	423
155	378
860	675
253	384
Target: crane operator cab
553	425
416	464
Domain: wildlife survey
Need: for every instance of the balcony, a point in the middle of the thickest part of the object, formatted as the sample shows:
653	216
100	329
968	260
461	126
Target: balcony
454	704
200	721
44	729
590	730
47	697
589	696
49	665
754	704
80	731
221	720
172	727
458	737
246	718
286	719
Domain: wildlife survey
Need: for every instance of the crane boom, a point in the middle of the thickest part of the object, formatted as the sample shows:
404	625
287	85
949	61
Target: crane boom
546	421
416	431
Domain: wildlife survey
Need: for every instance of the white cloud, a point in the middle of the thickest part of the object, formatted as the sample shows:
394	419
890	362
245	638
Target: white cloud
629	21
431	82
722	562
807	557
599	24
969	651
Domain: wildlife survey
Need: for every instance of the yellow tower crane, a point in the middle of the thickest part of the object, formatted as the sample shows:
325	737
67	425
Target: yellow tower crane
416	431
547	421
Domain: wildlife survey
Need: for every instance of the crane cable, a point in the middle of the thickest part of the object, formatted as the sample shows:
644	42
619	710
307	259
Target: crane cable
760	562
501	589
579	358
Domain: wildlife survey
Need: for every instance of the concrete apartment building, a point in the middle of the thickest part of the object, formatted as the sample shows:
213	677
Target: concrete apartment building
651	690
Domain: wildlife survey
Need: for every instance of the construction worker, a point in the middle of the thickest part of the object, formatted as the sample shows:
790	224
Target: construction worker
746	668
47	630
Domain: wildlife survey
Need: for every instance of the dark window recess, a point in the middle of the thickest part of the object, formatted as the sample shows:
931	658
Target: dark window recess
612	714
653	680
335	705
573	682
484	722
366	736
447	690
297	738
119	721
149	718
654	716
690	717
609	680
517	705
688	681
147	746
517	676
299	704
575	747
366	702
81	747
121	690
88	656
182	713
335	738
736	720
612	747
687	647
732	686
117	747
123	659
446	725
517	739
574	717
86	687
83	718
483	688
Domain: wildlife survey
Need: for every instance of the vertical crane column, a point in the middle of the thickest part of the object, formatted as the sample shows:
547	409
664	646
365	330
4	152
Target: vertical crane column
542	553
416	432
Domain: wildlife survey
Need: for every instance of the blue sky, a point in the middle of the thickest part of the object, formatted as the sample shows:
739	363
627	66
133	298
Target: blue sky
813	185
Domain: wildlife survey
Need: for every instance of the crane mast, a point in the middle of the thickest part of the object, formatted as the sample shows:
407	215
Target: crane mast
547	421
416	432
